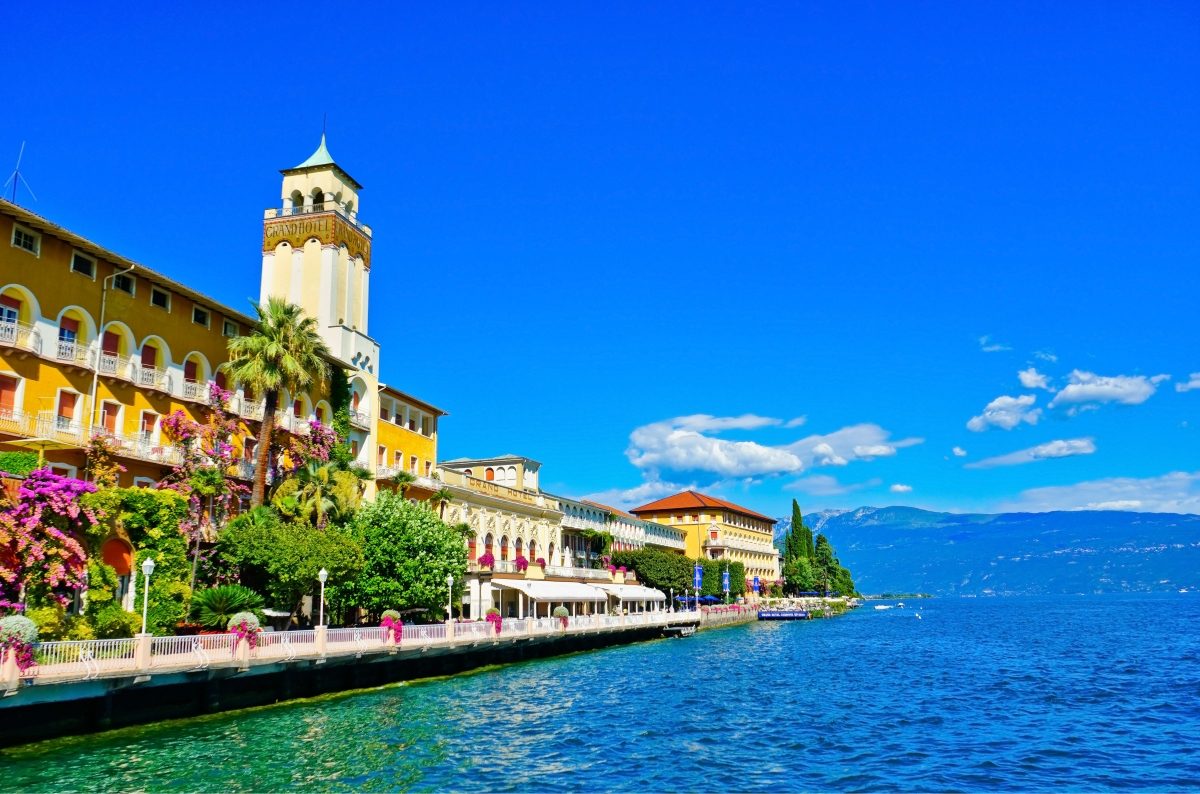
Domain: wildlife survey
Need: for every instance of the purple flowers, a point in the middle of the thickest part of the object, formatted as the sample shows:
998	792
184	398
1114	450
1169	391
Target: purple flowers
486	560
521	563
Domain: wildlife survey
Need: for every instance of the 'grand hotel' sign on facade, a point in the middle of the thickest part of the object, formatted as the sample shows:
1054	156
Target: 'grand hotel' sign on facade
328	228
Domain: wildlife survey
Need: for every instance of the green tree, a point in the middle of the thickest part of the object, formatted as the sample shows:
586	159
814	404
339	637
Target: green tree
798	575
281	558
284	351
824	564
794	544
408	553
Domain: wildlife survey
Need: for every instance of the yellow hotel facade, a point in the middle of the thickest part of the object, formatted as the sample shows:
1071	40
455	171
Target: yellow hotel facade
92	343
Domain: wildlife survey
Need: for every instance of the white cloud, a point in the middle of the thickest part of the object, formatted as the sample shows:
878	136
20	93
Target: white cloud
688	443
679	444
900	488
639	494
959	452
799	420
988	346
1088	388
1193	383
1045	355
1176	492
1053	449
824	485
1032	379
1006	412
856	442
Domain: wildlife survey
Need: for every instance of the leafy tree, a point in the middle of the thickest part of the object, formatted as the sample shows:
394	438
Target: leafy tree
408	553
799	576
281	558
284	351
666	571
794	543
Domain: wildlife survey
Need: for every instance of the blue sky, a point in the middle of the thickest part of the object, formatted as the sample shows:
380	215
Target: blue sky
772	251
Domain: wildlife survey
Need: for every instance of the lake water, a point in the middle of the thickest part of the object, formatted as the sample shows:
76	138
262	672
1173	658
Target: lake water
1081	693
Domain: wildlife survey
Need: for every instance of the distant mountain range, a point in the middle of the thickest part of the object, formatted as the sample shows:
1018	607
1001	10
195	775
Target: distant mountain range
904	549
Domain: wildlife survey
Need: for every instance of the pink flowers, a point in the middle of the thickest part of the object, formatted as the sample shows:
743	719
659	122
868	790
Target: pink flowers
541	561
38	536
393	625
486	560
521	563
493	617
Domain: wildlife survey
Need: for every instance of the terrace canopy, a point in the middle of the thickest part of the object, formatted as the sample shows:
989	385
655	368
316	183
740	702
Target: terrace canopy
633	592
578	597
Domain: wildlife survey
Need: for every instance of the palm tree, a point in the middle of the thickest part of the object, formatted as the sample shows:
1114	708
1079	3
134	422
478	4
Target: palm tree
441	498
283	352
403	479
319	492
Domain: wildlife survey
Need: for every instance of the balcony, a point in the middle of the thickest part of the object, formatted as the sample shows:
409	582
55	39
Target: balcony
60	428
248	409
114	366
68	351
14	422
195	390
360	420
21	336
151	377
141	447
243	469
578	573
337	209
723	541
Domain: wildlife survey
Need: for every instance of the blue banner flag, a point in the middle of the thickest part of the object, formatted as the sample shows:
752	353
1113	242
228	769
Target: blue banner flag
698	574
756	584
725	579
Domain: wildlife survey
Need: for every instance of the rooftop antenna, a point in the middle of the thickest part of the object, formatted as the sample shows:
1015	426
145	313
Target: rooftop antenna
17	179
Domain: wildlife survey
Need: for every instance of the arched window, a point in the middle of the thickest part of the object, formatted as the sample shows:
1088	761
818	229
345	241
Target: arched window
518	547
297	199
550	554
490	474
504	547
318	197
471	549
487	544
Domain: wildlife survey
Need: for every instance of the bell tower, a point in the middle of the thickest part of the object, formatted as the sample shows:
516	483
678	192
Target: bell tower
317	254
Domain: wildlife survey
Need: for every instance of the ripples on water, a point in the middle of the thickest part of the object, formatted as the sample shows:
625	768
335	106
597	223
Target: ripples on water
1082	693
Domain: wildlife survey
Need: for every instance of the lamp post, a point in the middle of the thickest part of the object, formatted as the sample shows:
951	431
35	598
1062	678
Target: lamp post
322	575
672	604
147	569
449	596
100	348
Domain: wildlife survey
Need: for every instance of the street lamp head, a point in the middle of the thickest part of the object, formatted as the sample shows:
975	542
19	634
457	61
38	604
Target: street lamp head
449	580
148	566
322	575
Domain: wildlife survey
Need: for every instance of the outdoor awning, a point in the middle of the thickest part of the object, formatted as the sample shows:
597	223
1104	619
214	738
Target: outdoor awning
553	591
633	592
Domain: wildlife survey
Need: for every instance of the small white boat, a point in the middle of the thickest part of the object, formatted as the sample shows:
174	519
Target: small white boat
918	616
883	606
900	605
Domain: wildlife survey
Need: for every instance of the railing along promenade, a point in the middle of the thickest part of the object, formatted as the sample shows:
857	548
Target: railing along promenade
144	655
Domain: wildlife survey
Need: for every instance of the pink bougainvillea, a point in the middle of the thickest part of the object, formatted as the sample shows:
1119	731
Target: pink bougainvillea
394	626
521	563
495	619
39	546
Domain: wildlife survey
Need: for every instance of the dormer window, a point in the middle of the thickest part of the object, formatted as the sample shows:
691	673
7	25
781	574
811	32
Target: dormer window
83	266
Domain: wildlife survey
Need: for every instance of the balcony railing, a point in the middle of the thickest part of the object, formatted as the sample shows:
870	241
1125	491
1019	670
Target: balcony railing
113	365
151	377
243	469
60	428
22	336
360	420
195	390
578	573
249	409
141	446
352	217
14	422
71	352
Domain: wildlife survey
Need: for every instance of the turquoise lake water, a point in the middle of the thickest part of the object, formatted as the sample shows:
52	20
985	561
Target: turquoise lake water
1079	693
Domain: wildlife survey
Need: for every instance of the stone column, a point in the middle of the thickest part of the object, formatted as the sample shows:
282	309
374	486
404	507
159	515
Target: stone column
141	652
320	639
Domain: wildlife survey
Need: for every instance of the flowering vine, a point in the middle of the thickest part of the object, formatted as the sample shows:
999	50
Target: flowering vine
39	546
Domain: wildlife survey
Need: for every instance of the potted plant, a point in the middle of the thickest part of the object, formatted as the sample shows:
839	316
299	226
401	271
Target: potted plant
245	626
541	561
493	616
392	626
562	614
486	561
521	563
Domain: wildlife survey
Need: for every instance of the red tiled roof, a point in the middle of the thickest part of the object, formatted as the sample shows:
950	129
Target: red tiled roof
686	500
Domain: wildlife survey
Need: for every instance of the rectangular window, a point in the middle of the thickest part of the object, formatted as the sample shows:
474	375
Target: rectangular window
229	328
381	460
412	462
123	282
68	329
10	309
108	416
82	265
384	413
149	422
399	460
26	240
428	467
425	426
160	298
200	316
8	397
66	406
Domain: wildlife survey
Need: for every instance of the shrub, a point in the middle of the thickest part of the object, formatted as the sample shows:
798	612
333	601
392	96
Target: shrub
492	611
390	613
55	624
561	612
214	607
19	628
18	463
247	620
112	623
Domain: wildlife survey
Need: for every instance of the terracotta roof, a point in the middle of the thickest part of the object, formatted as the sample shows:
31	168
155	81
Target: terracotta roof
687	500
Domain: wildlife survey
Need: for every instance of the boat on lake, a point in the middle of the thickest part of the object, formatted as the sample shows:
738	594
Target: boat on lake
883	606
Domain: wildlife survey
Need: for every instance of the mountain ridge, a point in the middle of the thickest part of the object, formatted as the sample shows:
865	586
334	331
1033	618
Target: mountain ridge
907	549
